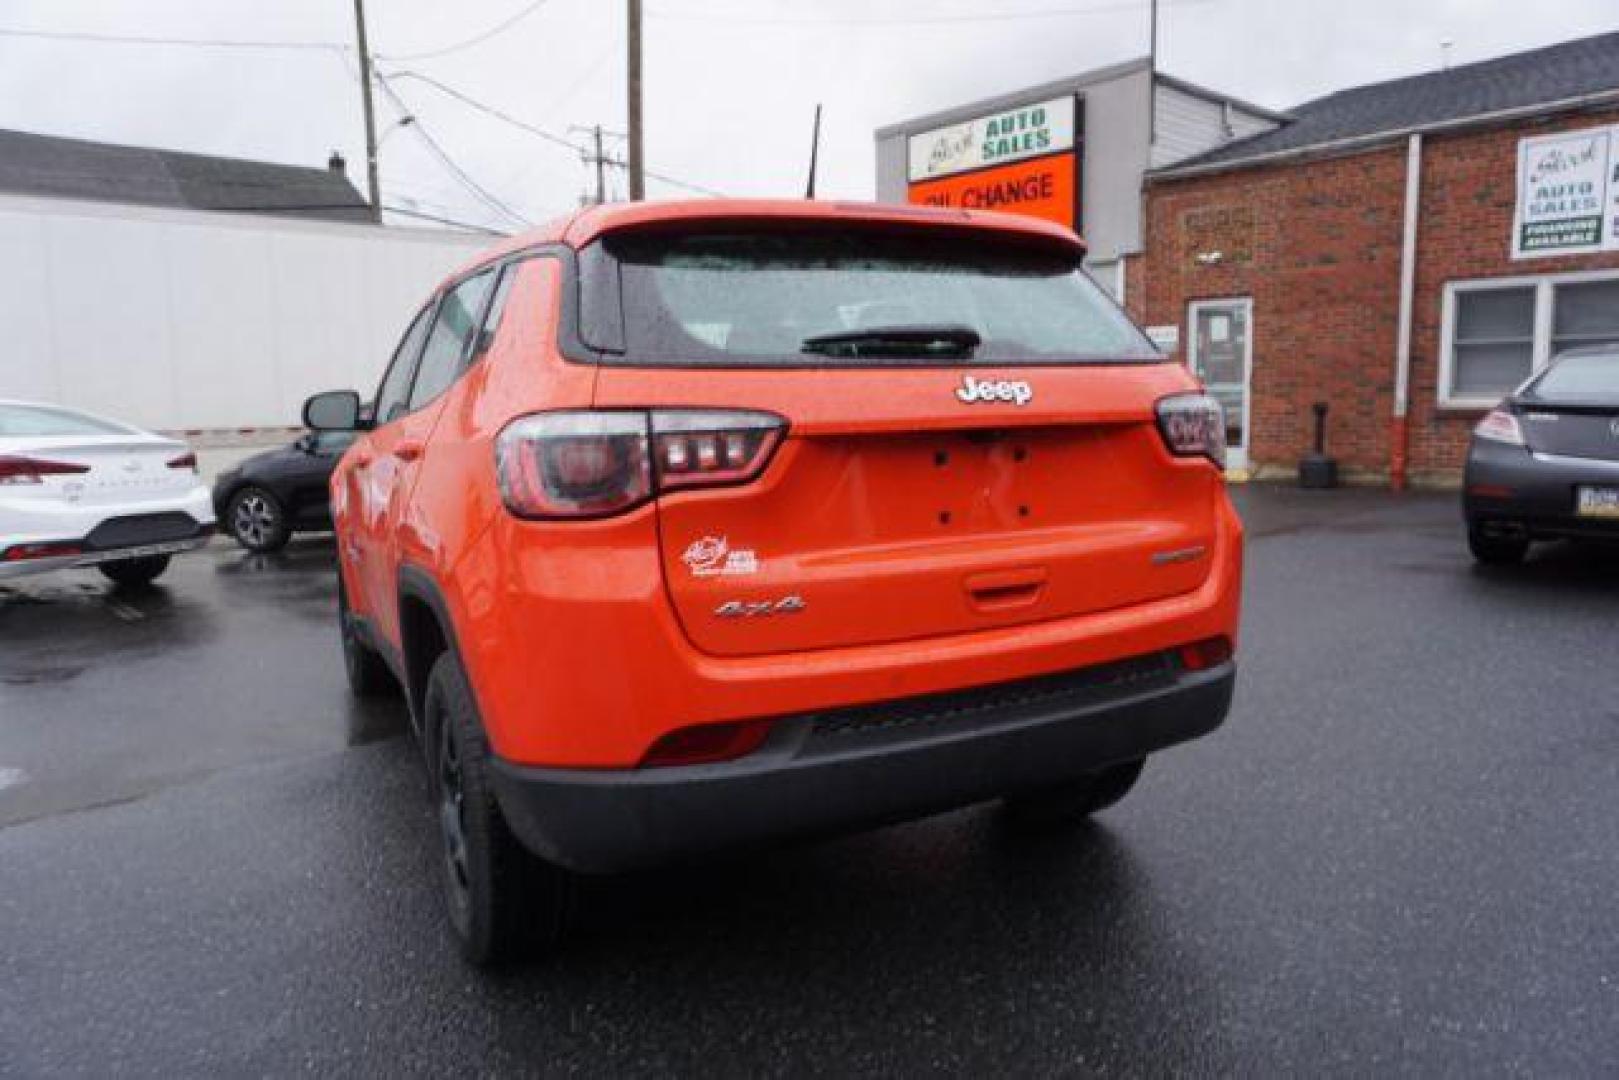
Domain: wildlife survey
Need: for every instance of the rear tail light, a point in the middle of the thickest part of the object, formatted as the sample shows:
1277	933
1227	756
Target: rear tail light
1193	425
1501	426
49	550
594	464
1205	654
707	743
707	449
22	470
187	460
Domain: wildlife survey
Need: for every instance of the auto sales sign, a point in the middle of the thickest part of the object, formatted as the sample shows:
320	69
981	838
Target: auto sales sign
1021	160
1568	194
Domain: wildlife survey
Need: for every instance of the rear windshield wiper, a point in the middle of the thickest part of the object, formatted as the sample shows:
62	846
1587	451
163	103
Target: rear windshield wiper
896	341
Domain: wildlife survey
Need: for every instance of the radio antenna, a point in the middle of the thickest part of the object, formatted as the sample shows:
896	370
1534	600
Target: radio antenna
815	153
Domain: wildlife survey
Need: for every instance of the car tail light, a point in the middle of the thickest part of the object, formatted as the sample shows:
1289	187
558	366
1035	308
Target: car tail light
1499	425
1205	654
187	460
593	464
49	550
1193	425
707	743
707	449
23	470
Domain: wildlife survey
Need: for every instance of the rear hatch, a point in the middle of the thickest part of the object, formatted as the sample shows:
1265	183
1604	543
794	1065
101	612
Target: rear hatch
114	472
922	489
1572	409
1573	431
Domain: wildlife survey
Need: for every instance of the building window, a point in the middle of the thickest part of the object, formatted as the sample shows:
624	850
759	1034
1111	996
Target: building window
1499	332
1585	313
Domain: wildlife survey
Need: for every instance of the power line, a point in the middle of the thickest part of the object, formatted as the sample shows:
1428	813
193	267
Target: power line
476	39
550	137
392	209
897	20
685	185
132	39
444	158
490	110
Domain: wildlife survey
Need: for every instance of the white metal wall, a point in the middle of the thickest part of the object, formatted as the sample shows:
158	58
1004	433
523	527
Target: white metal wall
179	320
1188	124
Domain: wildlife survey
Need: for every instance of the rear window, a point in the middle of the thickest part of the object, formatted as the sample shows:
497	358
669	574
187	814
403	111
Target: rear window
39	422
759	298
1584	377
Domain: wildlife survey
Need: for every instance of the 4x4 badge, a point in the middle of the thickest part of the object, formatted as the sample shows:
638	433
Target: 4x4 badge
974	390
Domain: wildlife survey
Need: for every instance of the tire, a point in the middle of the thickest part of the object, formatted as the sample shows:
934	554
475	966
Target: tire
1494	549
1077	799
135	573
503	902
257	520
368	675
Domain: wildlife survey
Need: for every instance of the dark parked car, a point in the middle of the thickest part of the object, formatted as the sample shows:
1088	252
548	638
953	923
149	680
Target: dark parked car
1545	463
272	495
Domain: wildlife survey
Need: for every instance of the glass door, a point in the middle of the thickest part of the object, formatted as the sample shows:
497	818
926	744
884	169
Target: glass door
1221	353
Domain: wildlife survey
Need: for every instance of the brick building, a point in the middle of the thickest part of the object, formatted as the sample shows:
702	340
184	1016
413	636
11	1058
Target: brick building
1406	252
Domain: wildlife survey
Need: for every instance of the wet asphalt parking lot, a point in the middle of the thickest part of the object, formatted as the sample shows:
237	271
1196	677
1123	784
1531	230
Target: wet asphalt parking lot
1401	854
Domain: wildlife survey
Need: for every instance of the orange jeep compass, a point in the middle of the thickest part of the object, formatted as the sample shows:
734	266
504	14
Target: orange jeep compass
689	527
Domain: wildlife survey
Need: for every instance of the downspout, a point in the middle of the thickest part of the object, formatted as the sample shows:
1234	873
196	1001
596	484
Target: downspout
1399	434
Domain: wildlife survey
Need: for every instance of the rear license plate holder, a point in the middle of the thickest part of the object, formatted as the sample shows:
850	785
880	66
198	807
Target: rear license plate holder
1596	502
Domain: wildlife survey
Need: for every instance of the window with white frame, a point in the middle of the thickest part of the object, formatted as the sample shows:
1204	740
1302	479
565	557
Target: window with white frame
1498	332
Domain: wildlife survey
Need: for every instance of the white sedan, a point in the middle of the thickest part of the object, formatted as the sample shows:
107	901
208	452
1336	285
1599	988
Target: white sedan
82	490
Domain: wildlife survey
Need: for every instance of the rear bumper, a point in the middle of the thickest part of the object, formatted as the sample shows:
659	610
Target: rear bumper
106	534
1509	488
851	768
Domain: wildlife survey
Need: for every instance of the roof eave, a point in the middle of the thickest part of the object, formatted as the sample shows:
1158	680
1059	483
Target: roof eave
1371	140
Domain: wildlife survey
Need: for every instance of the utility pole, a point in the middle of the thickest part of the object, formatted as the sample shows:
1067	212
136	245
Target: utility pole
601	169
1152	76
370	114
637	160
599	159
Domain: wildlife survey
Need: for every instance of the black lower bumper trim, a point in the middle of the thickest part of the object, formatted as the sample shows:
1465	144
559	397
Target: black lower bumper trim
136	530
813	778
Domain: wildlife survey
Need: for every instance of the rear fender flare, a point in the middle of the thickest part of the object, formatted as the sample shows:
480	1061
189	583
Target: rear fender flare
417	586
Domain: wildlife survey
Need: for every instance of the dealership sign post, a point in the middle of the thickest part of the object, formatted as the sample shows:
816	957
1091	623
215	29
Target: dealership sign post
1021	160
1568	194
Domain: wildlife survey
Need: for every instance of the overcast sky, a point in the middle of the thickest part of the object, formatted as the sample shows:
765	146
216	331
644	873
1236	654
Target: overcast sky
730	85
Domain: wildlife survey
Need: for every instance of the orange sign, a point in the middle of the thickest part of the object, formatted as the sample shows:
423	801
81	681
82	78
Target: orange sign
1042	188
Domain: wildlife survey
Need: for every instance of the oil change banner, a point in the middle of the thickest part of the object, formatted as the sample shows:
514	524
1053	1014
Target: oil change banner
1568	194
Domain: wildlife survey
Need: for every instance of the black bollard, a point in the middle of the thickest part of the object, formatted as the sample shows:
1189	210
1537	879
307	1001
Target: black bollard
1317	470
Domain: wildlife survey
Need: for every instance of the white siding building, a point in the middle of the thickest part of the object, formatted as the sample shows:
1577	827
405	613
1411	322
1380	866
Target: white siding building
181	320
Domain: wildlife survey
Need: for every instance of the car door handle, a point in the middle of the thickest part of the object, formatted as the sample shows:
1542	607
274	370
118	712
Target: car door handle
1003	590
408	450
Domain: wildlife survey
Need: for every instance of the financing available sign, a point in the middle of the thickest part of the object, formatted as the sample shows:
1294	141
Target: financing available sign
1568	194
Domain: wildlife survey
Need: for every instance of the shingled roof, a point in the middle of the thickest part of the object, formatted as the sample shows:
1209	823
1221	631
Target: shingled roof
105	172
1556	73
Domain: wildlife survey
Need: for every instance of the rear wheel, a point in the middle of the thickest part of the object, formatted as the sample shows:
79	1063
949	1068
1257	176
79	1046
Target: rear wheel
1497	549
133	573
257	520
503	901
367	674
1077	799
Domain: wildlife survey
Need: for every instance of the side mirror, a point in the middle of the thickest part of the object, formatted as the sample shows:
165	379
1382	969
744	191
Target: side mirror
335	410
